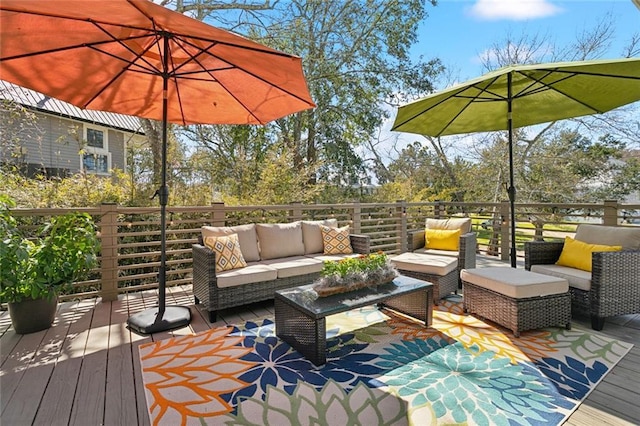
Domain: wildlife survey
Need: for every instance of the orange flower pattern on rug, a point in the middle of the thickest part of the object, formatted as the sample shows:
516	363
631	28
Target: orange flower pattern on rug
184	376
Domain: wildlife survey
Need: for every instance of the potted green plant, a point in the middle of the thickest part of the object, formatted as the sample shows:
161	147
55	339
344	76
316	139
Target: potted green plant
34	271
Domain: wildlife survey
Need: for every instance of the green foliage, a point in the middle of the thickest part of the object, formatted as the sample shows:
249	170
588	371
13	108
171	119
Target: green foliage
79	190
569	167
419	175
354	265
281	183
64	251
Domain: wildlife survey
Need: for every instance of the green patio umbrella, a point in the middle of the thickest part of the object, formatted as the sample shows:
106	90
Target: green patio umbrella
523	95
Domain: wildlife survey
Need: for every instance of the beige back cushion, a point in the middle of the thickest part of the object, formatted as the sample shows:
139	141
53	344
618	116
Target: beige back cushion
246	236
278	240
627	237
463	224
312	235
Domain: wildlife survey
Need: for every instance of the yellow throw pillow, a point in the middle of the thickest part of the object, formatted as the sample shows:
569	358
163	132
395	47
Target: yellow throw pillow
336	240
227	250
576	254
442	239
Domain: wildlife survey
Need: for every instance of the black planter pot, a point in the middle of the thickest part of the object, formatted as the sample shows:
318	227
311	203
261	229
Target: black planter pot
31	315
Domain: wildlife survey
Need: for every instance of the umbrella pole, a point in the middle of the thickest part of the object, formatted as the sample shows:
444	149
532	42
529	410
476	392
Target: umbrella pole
512	188
163	317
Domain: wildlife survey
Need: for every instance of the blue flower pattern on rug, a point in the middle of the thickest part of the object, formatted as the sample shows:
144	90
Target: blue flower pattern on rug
459	384
573	378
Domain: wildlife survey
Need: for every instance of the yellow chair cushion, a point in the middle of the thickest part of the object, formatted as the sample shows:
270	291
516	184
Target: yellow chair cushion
227	250
577	254
336	240
442	239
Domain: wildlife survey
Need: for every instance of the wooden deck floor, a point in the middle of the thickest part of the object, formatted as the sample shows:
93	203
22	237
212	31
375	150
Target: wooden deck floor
85	371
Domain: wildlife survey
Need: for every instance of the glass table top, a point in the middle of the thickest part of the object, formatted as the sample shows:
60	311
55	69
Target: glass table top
307	299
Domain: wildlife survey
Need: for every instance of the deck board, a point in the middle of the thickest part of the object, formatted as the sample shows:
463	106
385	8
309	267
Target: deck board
120	398
88	404
86	370
57	401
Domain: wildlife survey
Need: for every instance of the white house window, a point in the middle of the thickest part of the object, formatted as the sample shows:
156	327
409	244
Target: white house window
96	157
95	138
95	163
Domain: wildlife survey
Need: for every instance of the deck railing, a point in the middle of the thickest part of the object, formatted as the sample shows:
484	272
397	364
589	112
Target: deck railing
130	236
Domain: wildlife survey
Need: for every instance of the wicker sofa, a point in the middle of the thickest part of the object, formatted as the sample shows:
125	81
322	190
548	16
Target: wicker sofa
277	256
612	287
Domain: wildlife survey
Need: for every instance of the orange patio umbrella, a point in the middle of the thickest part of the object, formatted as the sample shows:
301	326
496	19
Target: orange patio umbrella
138	58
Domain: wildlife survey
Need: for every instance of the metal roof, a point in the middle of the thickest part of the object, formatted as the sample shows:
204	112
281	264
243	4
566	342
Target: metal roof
36	100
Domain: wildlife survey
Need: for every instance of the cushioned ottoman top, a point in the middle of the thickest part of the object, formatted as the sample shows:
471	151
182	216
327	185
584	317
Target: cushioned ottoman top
515	283
425	263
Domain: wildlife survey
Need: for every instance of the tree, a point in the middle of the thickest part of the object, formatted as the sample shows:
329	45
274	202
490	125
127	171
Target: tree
353	62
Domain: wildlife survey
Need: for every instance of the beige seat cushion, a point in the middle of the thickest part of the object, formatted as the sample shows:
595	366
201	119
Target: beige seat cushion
312	235
277	240
463	224
514	283
577	278
625	236
246	236
252	273
425	263
294	266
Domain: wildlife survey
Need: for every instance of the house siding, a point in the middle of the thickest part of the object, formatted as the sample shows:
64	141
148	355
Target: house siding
117	150
49	143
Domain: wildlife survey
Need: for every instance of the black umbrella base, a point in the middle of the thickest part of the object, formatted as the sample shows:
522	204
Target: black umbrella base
148	321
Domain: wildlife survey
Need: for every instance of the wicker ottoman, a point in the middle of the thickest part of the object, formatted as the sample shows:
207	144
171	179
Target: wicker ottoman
441	271
517	299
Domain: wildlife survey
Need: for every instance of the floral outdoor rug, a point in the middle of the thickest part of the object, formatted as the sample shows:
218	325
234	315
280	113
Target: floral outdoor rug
381	369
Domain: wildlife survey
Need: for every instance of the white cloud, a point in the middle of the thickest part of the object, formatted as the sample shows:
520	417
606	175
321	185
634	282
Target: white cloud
517	10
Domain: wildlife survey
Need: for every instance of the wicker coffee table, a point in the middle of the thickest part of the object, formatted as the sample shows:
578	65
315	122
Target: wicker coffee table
301	320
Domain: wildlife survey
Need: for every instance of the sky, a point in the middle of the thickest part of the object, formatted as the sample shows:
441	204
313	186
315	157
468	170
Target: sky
459	31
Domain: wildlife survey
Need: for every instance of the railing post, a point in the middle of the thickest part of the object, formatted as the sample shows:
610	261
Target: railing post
356	221
610	216
438	210
218	215
108	227
401	212
296	211
505	225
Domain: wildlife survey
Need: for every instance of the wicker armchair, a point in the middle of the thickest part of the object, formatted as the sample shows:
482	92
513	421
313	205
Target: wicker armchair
615	280
466	253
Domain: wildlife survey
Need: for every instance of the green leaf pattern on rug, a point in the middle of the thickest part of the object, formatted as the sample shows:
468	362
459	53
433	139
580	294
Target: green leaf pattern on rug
470	386
331	405
588	346
369	334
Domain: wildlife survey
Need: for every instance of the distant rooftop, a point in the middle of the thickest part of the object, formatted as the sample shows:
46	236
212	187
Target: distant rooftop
38	101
